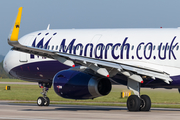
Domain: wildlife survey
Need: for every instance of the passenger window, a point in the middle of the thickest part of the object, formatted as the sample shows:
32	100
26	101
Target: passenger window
139	48
69	47
121	47
125	47
158	47
52	47
99	47
44	47
154	47
177	47
56	47
112	47
108	47
48	47
144	47
163	47
60	48
150	47
173	47
132	47
77	48
116	47
103	47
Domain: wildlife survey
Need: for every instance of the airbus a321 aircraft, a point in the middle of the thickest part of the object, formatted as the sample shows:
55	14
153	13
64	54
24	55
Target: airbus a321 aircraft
84	63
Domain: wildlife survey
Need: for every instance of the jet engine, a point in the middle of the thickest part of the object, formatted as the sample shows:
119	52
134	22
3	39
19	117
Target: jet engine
80	85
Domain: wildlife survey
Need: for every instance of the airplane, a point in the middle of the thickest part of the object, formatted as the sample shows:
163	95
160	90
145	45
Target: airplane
85	63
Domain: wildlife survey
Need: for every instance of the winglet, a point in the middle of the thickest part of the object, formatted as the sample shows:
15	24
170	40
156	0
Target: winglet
15	31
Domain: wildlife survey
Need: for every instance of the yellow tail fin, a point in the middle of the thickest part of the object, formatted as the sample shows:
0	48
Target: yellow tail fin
15	30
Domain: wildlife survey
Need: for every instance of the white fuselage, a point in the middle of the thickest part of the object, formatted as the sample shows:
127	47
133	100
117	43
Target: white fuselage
149	48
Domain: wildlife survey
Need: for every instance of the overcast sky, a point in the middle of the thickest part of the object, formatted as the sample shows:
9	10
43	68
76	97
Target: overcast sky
63	14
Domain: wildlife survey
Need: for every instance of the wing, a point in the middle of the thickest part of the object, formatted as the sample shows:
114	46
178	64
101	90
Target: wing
103	67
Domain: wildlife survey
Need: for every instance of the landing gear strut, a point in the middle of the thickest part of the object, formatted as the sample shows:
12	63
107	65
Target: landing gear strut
137	102
44	101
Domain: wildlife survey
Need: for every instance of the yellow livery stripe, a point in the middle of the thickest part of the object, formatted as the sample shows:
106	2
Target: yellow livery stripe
15	31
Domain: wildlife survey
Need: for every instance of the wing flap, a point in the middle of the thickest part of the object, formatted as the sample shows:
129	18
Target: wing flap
148	72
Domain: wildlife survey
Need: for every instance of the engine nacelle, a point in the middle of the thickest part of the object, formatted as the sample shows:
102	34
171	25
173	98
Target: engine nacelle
78	85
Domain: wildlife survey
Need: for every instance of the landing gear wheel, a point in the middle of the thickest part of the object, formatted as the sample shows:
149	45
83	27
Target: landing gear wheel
40	101
145	103
133	103
47	101
44	101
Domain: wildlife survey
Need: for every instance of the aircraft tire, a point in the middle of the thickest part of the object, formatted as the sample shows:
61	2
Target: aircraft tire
40	101
47	101
133	103
145	103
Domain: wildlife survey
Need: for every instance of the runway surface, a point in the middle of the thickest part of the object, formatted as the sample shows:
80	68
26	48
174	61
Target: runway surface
20	111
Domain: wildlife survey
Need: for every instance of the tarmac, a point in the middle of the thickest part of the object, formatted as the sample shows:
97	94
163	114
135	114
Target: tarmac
27	111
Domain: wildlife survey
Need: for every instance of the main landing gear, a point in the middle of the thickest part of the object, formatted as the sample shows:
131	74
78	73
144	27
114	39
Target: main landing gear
137	102
44	101
134	103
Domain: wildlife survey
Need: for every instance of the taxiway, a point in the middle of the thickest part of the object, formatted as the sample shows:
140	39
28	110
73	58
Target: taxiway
24	111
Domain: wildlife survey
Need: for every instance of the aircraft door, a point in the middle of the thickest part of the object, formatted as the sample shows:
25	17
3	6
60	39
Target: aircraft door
23	57
94	41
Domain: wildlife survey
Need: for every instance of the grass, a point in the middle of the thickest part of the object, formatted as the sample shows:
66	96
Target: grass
163	96
159	97
11	80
